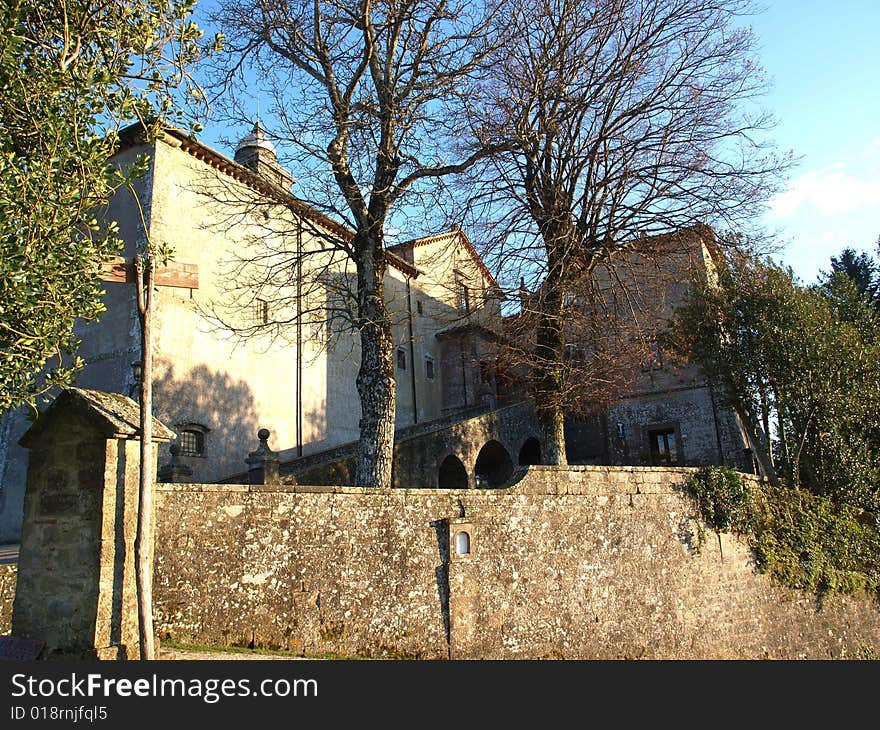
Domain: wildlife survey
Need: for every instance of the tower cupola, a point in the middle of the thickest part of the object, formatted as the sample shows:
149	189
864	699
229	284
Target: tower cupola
256	152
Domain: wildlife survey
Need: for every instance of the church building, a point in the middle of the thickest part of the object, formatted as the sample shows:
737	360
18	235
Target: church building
252	329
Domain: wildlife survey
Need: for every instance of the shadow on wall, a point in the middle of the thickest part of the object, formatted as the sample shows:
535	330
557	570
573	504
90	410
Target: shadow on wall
212	400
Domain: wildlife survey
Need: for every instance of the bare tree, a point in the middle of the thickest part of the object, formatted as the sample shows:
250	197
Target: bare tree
631	118
365	95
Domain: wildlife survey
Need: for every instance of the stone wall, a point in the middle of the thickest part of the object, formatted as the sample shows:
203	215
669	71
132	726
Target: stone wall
76	586
419	451
577	562
8	574
705	430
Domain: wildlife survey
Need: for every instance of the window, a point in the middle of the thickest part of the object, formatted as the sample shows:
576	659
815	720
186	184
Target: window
419	308
192	439
461	534
317	331
463	293
429	367
401	358
261	311
192	443
656	361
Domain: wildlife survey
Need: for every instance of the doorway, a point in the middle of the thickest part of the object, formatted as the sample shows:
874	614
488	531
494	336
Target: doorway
663	446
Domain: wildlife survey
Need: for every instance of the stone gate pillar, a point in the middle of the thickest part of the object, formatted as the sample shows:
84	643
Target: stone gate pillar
76	573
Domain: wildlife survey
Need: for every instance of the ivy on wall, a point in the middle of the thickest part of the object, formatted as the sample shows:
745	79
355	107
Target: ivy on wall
802	540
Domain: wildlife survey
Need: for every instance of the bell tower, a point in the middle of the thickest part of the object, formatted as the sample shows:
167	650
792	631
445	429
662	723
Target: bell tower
256	152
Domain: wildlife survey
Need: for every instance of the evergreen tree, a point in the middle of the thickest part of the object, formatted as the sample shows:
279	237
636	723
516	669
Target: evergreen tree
800	365
71	72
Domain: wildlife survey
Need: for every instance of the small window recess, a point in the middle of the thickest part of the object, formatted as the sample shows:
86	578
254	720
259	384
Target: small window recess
461	539
193	439
261	311
401	358
462	543
463	294
429	368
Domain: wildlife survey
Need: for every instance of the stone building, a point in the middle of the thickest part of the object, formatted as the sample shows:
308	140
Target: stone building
671	414
251	330
249	256
634	404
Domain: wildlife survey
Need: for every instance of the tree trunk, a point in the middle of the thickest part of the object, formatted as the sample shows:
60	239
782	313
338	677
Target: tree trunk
748	419
551	426
765	424
781	427
144	541
798	461
375	380
547	371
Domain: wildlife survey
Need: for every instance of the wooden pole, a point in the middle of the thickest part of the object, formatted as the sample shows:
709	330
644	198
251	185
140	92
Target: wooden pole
145	267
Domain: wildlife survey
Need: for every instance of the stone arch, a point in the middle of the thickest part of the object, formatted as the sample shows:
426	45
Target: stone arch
452	474
530	452
493	466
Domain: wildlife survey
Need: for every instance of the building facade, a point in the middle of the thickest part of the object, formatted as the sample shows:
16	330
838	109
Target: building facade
253	329
252	319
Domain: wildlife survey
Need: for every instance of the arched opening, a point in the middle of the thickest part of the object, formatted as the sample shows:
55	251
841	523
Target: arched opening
462	543
530	453
452	474
493	466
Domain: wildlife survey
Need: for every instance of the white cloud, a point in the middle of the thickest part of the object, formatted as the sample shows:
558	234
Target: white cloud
827	192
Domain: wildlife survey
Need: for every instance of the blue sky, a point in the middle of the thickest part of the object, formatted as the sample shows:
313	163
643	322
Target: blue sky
824	61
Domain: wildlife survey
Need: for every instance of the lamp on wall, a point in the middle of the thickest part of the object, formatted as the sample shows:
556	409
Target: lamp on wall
134	390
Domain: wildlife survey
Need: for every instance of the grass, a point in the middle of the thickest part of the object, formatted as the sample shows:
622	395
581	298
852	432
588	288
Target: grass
246	650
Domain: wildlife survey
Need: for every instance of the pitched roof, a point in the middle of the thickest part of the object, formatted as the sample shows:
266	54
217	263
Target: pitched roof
132	135
450	236
112	415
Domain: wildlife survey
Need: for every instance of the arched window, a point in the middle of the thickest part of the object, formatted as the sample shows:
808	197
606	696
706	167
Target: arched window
462	543
193	439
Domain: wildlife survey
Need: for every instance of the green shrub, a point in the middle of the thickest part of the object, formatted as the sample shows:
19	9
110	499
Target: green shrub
802	540
813	543
722	497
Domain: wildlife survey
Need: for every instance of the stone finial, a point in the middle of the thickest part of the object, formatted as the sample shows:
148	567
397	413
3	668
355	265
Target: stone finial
176	471
262	462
